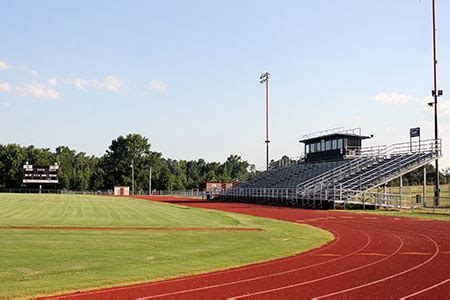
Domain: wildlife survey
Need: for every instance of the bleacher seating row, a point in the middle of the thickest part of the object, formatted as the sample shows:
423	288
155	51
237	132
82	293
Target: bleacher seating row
289	176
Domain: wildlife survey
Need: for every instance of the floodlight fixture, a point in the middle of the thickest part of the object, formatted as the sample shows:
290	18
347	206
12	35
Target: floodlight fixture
264	77
439	93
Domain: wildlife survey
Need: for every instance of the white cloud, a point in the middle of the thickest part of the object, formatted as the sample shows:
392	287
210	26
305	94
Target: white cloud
444	107
392	98
427	99
5	87
78	82
3	65
22	68
51	81
26	69
37	90
110	83
157	85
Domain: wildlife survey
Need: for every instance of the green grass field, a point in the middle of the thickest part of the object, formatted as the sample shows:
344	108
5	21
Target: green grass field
48	262
418	189
442	215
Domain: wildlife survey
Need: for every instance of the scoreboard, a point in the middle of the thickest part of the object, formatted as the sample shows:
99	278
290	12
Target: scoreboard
40	174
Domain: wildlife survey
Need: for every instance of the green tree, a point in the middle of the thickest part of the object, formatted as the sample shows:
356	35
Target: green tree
79	171
122	153
12	158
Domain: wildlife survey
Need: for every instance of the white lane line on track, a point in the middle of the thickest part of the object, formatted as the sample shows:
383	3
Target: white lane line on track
424	290
314	219
259	277
325	277
415	253
388	277
387	223
120	288
372	254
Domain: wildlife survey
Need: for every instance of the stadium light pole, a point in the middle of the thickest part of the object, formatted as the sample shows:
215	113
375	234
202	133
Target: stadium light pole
264	78
435	93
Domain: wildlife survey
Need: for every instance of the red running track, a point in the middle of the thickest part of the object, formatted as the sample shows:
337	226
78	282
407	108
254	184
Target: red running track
372	257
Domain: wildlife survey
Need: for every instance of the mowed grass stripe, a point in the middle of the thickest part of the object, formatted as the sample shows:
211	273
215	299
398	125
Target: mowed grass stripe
49	262
132	228
75	210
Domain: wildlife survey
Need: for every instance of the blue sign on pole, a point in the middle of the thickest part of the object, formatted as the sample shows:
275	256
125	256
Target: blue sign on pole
414	132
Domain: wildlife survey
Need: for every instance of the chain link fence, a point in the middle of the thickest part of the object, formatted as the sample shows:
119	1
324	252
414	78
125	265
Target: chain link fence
185	193
54	191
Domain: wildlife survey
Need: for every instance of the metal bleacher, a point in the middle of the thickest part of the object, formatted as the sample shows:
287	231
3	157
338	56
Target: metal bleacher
289	176
340	181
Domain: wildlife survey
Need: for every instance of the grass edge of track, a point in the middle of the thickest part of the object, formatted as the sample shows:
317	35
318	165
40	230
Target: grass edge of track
402	214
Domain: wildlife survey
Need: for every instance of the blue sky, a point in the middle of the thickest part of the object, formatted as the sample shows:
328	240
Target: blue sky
185	73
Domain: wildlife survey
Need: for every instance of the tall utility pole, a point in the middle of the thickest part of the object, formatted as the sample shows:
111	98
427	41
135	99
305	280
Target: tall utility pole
435	93
264	78
132	176
150	180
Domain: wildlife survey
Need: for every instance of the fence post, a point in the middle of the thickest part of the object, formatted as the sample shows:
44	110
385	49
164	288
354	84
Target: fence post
401	191
321	196
364	201
424	186
334	197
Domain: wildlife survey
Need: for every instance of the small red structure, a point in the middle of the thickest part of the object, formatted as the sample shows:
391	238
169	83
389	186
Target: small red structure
213	189
212	186
121	191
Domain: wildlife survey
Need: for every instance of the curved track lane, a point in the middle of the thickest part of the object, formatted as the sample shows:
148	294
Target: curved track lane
372	256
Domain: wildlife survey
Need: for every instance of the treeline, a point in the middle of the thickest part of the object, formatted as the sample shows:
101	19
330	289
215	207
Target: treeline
79	171
82	172
416	177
